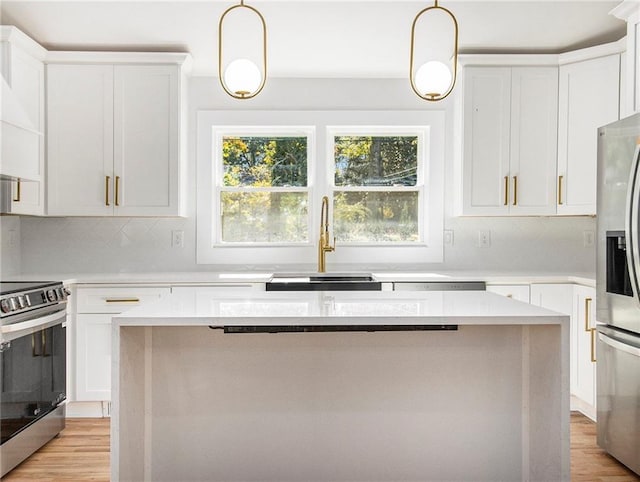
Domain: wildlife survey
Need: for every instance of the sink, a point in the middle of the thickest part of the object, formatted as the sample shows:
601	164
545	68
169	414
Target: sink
323	282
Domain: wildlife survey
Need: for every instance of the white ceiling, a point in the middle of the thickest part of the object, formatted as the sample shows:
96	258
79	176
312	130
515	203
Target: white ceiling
326	38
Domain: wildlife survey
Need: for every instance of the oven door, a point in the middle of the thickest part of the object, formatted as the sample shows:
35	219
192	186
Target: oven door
32	371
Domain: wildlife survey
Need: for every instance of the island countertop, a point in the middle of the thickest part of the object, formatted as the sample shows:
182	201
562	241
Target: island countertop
487	399
257	308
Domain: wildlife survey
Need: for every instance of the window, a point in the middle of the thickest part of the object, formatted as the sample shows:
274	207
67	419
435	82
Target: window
262	174
377	185
262	188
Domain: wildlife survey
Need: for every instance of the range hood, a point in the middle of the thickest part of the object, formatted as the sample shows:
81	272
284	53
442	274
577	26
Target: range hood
19	139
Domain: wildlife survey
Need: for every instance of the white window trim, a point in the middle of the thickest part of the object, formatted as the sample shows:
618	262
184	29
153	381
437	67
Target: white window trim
422	132
289	131
431	251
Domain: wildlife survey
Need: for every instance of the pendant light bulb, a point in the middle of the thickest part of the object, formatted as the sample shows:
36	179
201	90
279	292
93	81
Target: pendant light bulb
433	79
242	77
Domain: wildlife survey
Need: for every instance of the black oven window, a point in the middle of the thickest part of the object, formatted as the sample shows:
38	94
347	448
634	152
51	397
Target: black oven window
32	378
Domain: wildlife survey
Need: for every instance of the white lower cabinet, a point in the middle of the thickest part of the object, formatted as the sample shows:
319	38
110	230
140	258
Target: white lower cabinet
579	303
95	306
517	292
93	360
584	311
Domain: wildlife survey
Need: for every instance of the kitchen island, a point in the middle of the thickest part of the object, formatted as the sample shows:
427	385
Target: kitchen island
340	386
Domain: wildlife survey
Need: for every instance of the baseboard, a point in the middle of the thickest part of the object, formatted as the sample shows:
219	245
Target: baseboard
88	409
583	407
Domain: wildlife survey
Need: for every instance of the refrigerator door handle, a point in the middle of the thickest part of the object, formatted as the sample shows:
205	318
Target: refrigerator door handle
632	350
631	224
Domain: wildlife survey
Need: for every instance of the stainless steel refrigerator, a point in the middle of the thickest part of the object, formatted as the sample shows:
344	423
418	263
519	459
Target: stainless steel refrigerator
618	291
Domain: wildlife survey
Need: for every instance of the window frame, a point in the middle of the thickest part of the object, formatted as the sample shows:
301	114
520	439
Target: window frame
422	159
320	182
218	176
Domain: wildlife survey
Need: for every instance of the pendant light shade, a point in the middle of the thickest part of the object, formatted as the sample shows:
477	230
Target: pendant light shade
434	53
243	77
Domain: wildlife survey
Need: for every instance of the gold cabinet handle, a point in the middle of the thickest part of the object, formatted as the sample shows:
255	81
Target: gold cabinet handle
122	300
587	314
515	190
506	190
560	178
593	345
117	196
106	190
18	193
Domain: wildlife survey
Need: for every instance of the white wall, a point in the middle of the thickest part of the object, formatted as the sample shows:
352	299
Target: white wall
144	244
10	252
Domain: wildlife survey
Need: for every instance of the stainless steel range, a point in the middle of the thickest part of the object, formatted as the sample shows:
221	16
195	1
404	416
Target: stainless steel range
32	367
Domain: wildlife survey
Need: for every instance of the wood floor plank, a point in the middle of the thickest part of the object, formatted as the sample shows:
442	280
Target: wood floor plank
81	453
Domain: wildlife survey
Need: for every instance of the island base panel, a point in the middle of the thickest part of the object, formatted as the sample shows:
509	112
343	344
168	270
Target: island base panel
480	403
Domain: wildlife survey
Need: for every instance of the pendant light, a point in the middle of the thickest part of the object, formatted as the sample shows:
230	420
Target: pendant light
436	75
242	78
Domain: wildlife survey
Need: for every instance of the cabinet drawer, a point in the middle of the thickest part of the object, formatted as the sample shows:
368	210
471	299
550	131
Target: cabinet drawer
517	292
116	300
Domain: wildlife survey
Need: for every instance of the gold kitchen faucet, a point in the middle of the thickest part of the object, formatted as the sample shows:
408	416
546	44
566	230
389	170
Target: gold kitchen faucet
324	245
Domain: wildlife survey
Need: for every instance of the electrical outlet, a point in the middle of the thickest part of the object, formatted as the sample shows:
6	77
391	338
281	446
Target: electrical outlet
588	238
448	237
177	239
484	239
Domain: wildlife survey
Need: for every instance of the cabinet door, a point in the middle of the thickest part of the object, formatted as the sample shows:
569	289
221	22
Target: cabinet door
486	140
559	297
25	75
517	292
584	309
80	140
93	357
146	140
588	99
534	132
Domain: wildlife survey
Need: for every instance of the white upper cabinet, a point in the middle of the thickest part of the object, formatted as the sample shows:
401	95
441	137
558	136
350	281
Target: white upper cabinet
589	98
629	11
510	136
23	150
80	139
115	139
146	140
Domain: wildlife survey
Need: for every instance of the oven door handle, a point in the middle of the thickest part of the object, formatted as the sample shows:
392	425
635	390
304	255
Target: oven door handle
35	324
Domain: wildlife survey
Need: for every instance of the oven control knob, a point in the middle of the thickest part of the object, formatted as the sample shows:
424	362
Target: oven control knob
22	302
67	291
51	295
59	293
5	307
13	304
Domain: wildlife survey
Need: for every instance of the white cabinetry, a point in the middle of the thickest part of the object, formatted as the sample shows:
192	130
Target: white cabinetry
95	306
218	288
579	303
22	68
589	98
629	10
585	378
510	139
517	292
115	139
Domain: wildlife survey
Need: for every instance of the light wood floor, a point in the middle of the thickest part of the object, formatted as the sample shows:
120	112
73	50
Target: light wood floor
81	453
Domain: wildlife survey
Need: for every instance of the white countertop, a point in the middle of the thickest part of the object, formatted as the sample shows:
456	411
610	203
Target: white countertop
210	277
257	308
